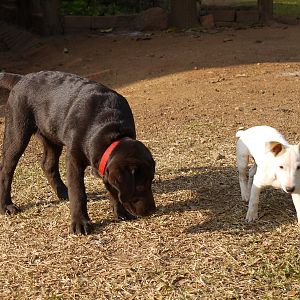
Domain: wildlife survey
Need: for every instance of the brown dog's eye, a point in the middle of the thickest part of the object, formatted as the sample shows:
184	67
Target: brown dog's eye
281	167
298	167
140	188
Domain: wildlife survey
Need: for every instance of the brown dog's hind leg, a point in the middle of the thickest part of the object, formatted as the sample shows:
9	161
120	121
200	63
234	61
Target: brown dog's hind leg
18	130
50	166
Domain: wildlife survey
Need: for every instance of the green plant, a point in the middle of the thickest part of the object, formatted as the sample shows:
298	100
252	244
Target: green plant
80	7
97	8
287	7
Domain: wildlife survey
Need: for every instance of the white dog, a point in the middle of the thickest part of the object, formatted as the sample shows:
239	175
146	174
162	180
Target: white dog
277	164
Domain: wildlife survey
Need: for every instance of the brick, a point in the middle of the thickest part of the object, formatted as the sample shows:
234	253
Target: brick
207	21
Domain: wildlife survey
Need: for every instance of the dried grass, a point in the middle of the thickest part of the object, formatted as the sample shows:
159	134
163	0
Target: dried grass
196	246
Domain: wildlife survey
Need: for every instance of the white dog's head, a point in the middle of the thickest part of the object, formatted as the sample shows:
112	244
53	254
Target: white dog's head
286	164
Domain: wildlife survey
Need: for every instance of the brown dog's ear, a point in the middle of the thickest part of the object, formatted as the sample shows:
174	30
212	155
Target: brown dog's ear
275	147
121	179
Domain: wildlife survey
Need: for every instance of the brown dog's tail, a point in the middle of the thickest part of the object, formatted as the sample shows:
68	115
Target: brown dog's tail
8	80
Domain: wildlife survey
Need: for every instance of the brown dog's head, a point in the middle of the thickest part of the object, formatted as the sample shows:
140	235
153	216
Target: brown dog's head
128	177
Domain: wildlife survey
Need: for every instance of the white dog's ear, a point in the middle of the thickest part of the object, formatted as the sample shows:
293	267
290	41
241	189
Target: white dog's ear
275	147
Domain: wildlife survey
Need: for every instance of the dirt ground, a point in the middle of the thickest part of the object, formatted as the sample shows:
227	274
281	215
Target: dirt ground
189	92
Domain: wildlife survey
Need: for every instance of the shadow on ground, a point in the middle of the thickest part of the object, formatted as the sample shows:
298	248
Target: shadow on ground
215	193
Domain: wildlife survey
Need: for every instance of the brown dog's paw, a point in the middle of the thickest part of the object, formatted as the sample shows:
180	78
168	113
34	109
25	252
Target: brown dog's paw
81	226
124	215
10	209
120	213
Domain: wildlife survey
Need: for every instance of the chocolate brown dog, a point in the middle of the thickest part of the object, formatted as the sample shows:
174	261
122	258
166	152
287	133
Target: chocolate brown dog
97	127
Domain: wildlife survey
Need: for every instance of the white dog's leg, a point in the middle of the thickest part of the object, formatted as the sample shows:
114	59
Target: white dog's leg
296	200
242	156
252	213
252	172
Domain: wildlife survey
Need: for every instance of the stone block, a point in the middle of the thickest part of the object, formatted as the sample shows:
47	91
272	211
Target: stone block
77	23
151	19
224	15
289	20
115	22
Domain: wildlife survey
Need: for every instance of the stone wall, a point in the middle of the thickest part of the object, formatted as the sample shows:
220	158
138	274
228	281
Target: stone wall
154	18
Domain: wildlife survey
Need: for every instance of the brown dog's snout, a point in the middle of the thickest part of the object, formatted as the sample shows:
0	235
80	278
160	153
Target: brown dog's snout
152	208
141	206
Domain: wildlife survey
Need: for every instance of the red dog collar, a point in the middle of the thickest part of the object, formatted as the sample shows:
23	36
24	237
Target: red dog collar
106	155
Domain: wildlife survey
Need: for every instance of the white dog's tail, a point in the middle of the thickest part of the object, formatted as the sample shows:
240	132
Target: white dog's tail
239	133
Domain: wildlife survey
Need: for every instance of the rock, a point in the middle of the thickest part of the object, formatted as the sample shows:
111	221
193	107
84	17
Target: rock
218	156
238	108
227	40
39	202
154	18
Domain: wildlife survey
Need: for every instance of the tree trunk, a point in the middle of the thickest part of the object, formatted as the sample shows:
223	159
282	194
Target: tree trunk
184	13
52	18
265	8
24	13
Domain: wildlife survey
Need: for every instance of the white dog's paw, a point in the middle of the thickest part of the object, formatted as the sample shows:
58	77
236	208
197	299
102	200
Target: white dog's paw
245	197
245	194
252	215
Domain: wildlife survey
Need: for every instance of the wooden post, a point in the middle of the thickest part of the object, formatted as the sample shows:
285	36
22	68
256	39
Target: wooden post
52	18
265	8
184	13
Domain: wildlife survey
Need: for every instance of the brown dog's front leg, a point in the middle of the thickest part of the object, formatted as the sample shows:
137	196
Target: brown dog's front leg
6	175
120	213
80	221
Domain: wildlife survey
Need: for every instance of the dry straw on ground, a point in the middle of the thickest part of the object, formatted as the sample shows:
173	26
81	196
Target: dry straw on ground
197	245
